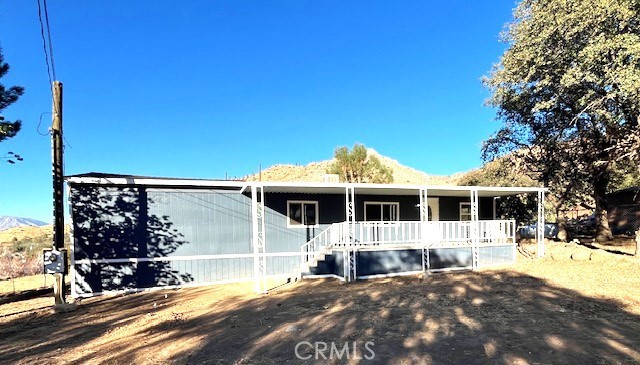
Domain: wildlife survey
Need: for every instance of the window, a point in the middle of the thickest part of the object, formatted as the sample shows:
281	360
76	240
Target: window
381	211
302	213
465	211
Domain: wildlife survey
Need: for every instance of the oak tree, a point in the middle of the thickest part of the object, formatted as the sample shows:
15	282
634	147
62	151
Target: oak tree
567	91
357	165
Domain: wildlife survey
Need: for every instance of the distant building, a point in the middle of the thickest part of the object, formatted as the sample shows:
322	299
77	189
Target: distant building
623	209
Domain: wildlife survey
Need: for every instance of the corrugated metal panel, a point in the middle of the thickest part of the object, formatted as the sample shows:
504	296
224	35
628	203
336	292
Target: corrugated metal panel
135	222
95	278
126	222
107	222
208	222
277	265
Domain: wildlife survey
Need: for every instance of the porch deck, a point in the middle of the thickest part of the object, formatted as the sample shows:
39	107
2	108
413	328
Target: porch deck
368	249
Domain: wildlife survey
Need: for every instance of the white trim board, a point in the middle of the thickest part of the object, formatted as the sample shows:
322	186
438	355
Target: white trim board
184	258
390	275
322	276
156	288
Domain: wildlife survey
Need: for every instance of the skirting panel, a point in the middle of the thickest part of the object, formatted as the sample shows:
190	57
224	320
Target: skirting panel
104	277
497	255
450	258
388	262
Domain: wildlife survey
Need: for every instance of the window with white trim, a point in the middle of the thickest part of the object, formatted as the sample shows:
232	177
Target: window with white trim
302	213
381	211
465	211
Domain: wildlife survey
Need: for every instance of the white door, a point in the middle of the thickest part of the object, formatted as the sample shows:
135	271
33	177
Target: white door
434	208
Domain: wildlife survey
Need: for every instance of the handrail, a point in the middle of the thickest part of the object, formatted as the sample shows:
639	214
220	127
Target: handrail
322	240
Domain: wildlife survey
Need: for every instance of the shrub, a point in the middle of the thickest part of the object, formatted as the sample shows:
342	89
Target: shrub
16	264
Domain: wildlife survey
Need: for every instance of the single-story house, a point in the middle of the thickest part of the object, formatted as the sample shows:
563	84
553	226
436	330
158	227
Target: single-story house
132	233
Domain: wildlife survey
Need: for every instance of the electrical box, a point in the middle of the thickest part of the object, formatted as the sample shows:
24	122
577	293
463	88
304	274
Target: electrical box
55	262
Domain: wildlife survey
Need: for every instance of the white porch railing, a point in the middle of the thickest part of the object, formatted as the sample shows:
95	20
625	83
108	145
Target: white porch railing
431	234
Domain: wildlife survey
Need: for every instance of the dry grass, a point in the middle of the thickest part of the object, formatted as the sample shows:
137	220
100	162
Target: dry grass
26	283
8	236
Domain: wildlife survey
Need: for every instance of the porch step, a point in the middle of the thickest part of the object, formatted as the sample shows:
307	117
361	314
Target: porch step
302	269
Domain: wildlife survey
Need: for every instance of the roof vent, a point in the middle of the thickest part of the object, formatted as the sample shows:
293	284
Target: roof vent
330	178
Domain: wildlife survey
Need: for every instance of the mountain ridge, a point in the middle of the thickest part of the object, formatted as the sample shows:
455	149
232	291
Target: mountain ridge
7	222
314	171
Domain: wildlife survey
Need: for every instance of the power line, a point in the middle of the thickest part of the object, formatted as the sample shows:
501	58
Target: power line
46	17
44	44
47	47
39	123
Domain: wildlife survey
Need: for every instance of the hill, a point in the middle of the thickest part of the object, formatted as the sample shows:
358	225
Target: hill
7	222
314	171
26	233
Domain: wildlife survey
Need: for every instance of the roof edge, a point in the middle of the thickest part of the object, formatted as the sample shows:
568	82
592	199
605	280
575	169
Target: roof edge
118	179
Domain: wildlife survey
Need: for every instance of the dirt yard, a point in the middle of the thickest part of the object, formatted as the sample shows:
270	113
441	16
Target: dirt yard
556	310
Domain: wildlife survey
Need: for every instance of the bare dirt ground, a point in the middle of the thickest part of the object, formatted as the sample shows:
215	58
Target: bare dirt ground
555	310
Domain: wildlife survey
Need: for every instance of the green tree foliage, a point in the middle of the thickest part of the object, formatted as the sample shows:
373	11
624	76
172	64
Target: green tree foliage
356	165
504	171
8	96
567	90
624	177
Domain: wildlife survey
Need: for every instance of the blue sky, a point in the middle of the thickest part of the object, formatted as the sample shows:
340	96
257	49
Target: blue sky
206	89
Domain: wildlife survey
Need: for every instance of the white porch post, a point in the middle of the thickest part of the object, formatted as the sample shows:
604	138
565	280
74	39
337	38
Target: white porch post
540	225
475	229
258	225
424	219
350	232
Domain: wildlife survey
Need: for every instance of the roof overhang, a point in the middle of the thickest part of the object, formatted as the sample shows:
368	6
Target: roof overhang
305	187
396	189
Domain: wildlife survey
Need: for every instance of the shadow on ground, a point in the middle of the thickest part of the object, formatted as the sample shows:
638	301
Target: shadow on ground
471	317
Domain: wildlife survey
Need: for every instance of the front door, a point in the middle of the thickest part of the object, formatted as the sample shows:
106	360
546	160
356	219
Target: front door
433	205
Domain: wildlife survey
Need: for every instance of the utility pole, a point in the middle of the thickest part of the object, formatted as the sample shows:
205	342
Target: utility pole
58	188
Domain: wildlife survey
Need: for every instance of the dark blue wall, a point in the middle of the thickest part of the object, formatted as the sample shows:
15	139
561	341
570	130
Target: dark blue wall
450	207
388	262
